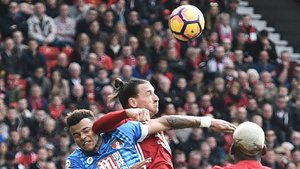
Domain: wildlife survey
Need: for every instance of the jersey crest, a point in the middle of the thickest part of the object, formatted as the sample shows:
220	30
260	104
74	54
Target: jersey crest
117	144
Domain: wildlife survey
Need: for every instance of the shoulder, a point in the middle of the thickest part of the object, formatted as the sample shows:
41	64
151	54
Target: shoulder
73	160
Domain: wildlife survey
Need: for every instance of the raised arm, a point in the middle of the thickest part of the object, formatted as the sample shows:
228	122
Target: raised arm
178	122
110	121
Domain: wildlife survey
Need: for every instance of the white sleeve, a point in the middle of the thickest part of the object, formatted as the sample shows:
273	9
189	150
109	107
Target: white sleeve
144	132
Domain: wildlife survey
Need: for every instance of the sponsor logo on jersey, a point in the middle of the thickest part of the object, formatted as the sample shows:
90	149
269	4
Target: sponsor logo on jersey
113	161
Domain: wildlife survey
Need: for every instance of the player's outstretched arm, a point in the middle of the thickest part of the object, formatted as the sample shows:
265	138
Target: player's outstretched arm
178	122
112	120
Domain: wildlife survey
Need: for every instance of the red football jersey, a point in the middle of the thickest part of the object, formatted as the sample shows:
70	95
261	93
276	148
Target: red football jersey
245	164
154	146
157	147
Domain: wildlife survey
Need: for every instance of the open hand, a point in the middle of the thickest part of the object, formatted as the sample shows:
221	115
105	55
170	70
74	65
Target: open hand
219	125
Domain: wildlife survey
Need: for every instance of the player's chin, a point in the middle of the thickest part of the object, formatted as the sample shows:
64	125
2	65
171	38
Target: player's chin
88	148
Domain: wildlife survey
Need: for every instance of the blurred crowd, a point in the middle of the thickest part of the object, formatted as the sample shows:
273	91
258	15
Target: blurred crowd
61	55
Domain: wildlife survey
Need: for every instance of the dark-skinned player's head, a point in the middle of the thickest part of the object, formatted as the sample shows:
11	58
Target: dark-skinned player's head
249	142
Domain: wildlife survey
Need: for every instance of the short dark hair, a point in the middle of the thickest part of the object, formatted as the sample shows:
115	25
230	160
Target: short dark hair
76	116
126	90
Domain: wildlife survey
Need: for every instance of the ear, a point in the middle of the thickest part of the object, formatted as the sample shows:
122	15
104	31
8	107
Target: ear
232	149
264	150
132	102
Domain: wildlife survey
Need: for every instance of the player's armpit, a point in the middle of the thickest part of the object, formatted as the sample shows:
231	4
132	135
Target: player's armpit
109	122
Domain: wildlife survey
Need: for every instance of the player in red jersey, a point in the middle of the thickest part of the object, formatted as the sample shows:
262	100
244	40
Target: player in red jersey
137	94
248	147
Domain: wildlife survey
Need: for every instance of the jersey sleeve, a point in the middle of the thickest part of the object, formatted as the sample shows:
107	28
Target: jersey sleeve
109	122
135	130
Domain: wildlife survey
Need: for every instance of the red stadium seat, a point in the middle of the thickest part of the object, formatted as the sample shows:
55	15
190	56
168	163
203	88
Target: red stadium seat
23	85
68	51
49	52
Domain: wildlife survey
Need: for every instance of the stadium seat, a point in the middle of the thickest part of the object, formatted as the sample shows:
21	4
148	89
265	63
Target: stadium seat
49	52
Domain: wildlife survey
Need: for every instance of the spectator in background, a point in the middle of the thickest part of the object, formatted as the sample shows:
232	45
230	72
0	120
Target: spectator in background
82	49
145	35
62	65
284	115
194	159
14	91
91	67
271	139
10	62
234	16
103	60
270	88
236	96
127	57
20	47
211	17
75	77
142	69
113	46
205	106
217	64
133	22
224	29
264	43
56	107
13	21
41	80
121	30
45	34
58	86
96	34
52	8
156	50
26	156
78	10
248	29
102	78
126	73
32	59
23	110
108	22
36	100
263	63
77	98
41	159
65	27
10	162
82	25
285	69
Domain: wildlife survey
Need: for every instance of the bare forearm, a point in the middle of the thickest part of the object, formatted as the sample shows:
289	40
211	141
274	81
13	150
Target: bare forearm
173	122
179	122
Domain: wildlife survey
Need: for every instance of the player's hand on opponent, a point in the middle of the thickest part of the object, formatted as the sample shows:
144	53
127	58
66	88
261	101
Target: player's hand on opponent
138	114
141	164
219	125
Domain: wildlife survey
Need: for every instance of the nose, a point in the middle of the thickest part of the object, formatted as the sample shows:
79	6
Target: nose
155	98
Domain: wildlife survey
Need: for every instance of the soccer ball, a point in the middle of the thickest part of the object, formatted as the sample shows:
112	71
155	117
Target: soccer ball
186	22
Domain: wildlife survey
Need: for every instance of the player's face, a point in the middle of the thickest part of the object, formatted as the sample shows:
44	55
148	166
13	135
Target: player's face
147	98
83	135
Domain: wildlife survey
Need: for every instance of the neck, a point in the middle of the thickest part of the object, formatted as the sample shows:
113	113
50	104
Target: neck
98	145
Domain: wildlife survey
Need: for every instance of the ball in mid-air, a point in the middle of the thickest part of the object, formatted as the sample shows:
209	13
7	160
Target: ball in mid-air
186	22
